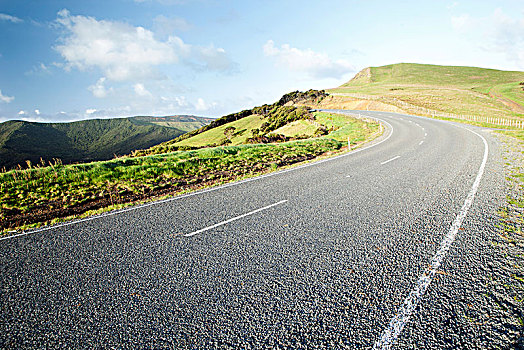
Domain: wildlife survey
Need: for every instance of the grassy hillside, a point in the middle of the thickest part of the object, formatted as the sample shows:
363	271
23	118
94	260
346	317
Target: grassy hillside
457	90
288	119
86	140
274	114
217	136
297	129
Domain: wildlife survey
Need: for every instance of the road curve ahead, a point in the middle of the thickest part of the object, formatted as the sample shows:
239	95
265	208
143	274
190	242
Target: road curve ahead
336	254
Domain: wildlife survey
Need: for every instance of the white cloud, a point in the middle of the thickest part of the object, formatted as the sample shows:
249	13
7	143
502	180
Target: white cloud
270	49
316	65
465	22
9	18
461	22
99	90
140	90
21	113
90	111
5	99
37	111
175	102
509	36
452	5
214	59
126	53
39	69
505	34
170	25
202	106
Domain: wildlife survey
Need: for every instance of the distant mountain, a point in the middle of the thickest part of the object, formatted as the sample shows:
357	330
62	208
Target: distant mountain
87	140
185	123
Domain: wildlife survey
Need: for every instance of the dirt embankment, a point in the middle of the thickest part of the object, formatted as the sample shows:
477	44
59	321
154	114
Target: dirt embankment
514	106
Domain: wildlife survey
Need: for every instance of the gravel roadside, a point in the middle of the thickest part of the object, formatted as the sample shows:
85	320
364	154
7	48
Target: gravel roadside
510	239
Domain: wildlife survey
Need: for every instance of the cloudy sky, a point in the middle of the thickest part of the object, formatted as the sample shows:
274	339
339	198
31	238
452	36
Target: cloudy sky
63	60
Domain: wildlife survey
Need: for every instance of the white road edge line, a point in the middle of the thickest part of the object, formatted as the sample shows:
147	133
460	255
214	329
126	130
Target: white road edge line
397	323
115	212
234	219
390	160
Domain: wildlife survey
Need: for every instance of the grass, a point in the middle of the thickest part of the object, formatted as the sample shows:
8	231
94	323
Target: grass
47	194
518	134
216	135
344	127
510	238
297	128
512	91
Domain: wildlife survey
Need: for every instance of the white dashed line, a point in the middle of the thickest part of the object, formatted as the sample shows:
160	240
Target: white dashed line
233	219
425	134
421	142
397	323
389	160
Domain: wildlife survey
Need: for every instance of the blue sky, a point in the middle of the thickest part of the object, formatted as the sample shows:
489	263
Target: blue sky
70	60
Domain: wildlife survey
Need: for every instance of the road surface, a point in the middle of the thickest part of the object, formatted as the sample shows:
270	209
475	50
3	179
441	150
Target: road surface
330	255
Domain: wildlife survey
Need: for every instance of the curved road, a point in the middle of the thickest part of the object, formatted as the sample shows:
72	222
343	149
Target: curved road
322	256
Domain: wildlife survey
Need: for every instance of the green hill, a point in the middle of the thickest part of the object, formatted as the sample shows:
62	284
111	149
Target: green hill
449	89
256	125
97	139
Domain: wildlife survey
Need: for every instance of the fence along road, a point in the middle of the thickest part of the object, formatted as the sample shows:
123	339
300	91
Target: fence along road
494	121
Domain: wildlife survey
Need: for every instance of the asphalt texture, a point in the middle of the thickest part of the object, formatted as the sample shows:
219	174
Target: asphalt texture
328	268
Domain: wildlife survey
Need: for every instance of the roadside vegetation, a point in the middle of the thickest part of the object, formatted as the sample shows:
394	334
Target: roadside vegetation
508	291
47	194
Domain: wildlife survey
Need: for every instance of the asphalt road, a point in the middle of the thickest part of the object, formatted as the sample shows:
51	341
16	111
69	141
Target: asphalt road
322	256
